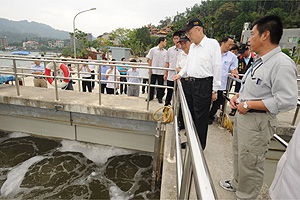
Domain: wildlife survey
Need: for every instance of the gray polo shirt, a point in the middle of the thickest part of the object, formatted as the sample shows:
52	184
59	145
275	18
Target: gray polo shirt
274	81
158	57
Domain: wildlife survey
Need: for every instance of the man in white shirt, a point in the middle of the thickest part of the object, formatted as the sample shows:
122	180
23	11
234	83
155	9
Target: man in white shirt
171	60
92	68
204	75
157	56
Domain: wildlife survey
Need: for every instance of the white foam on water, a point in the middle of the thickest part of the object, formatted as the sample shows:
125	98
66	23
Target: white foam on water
18	135
16	176
94	152
117	194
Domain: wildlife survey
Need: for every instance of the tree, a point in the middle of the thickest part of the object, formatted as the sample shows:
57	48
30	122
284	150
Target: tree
120	34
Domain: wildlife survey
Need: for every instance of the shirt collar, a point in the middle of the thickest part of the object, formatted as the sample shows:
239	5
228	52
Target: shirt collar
159	48
225	54
266	57
202	43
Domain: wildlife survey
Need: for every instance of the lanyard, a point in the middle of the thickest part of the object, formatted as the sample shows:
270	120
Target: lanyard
255	65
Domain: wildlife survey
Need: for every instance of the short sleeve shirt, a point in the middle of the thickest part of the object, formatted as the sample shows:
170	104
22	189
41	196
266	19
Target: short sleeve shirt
158	58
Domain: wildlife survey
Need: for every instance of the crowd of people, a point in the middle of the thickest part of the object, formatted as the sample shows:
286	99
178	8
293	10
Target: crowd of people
268	86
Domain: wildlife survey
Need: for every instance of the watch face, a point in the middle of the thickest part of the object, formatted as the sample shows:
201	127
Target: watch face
245	105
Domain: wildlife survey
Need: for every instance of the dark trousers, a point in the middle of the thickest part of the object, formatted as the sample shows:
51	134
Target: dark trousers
93	78
103	87
123	79
198	96
111	91
143	87
160	81
169	93
216	105
86	84
180	116
238	85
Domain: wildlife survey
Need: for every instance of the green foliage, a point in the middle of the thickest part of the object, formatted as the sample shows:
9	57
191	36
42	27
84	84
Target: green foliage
222	18
287	52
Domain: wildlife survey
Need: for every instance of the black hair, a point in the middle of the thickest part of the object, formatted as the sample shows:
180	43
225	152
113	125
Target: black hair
225	39
113	59
160	39
133	60
123	59
177	33
270	23
234	47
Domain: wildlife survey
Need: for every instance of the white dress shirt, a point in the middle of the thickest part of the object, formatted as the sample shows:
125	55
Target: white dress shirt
204	60
158	57
181	61
171	58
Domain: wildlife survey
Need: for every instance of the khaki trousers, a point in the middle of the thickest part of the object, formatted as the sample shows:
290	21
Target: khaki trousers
39	82
251	136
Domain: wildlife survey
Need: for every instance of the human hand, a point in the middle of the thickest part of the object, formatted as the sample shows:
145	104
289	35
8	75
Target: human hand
176	77
241	108
165	77
214	96
234	102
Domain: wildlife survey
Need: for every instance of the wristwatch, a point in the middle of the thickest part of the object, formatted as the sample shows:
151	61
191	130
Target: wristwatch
246	105
214	92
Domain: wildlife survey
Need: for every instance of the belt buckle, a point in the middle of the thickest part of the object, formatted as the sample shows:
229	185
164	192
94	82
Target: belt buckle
192	79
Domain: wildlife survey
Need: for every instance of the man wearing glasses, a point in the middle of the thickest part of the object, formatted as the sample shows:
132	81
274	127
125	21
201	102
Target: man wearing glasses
203	72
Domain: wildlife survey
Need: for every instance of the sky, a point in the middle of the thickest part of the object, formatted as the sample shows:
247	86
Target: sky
109	14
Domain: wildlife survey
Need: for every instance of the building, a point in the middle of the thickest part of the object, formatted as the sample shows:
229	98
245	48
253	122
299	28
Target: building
106	36
30	44
57	43
3	42
162	32
289	40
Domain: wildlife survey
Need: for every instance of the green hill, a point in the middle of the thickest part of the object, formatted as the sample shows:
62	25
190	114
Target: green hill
18	31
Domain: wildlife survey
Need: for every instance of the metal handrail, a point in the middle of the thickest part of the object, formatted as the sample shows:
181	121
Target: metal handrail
194	163
77	62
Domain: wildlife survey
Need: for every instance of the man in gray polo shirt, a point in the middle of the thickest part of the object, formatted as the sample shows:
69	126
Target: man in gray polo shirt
268	87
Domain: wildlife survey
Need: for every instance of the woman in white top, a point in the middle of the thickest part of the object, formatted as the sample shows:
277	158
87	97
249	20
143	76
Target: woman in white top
110	77
86	84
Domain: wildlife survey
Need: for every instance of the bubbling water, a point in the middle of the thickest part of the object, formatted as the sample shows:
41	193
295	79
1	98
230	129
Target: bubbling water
40	168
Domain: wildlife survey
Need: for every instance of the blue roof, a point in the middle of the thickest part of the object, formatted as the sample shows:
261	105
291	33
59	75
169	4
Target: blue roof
20	52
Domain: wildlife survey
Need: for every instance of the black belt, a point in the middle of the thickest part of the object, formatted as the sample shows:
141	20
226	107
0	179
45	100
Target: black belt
198	79
256	111
38	77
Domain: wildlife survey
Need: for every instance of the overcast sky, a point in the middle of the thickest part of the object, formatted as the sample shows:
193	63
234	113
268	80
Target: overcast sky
109	14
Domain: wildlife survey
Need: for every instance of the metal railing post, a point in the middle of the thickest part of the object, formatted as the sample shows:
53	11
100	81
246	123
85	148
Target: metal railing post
186	180
295	116
56	90
100	87
156	150
78	75
149	83
16	77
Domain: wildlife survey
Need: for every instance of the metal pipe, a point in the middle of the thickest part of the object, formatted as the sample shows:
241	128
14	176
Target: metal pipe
148	95
99	82
55	83
203	182
16	77
282	141
295	115
74	33
186	180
